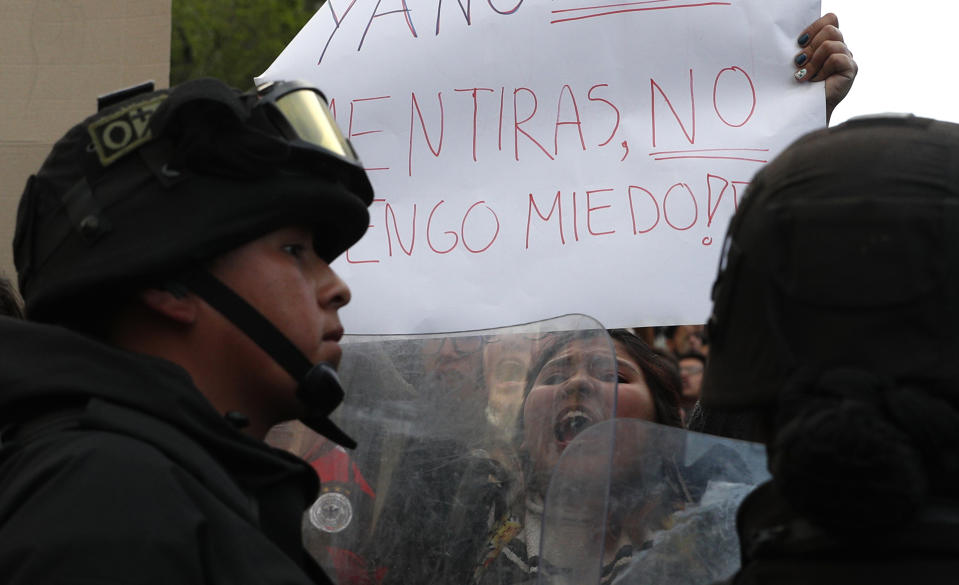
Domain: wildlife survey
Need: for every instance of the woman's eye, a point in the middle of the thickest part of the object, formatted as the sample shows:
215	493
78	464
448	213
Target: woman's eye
604	373
603	376
621	379
553	378
608	376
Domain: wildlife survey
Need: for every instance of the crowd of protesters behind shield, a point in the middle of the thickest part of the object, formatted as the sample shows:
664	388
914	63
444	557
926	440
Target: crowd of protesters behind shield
171	332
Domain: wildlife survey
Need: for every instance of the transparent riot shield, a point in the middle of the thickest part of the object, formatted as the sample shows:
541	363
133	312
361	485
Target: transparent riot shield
457	437
633	502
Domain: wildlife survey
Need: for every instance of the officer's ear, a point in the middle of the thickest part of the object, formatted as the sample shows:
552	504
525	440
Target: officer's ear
171	301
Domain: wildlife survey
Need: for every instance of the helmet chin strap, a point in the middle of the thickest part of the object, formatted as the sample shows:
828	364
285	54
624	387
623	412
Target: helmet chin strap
318	387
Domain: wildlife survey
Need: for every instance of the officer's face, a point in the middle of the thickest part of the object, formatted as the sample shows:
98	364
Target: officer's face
283	278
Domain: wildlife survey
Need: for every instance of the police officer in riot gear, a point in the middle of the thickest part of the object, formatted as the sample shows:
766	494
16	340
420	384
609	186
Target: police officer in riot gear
833	340
173	253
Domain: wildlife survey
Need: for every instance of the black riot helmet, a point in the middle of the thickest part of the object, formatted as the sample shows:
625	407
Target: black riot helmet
844	253
835	325
157	183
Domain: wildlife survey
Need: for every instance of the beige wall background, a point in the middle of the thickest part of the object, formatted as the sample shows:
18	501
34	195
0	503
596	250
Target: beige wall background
56	57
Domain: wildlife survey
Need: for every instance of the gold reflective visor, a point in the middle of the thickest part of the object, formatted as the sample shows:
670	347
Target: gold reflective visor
305	116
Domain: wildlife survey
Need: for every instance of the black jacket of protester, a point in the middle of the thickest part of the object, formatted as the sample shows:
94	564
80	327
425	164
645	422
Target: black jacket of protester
781	548
115	470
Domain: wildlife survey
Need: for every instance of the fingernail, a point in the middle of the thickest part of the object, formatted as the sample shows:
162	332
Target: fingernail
800	74
803	39
800	59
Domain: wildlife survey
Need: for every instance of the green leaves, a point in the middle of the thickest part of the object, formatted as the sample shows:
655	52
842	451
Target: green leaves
233	40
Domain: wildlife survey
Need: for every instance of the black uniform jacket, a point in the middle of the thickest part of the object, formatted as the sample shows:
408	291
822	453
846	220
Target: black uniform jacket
781	548
114	469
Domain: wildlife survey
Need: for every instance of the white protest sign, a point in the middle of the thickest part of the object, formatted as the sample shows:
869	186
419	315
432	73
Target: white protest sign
533	158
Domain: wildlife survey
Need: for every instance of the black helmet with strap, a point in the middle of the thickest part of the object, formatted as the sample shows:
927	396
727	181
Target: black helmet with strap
157	183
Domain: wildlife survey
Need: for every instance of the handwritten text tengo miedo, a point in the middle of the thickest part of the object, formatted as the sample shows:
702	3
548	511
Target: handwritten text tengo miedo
552	127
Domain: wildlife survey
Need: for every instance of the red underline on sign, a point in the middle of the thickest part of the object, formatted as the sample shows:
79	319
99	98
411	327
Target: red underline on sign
691	154
377	169
602	6
709	150
625	10
756	160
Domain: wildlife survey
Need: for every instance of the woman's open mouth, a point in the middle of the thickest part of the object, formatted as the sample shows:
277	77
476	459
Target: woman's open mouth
571	422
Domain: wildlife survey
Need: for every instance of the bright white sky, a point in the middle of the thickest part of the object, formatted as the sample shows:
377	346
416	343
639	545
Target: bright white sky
902	49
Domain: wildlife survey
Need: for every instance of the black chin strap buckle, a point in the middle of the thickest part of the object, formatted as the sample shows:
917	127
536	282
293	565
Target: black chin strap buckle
237	419
321	393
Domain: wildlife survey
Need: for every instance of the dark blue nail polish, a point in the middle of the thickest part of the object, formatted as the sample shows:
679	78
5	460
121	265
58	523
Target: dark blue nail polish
803	39
800	59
